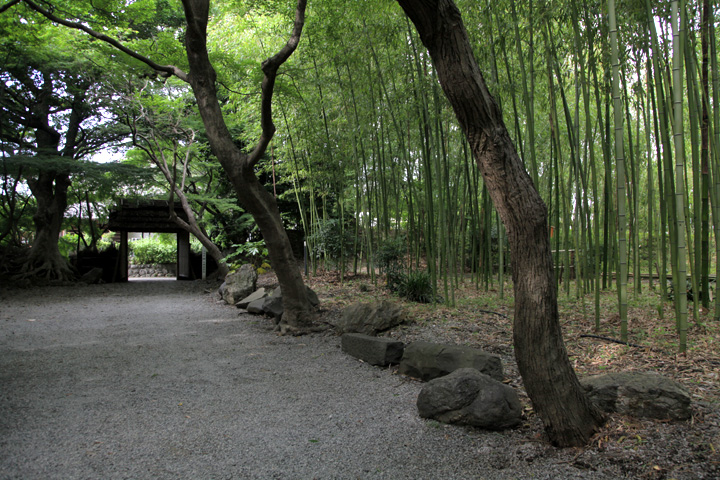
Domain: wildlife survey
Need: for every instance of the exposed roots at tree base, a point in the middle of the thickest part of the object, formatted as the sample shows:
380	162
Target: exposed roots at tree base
300	323
46	270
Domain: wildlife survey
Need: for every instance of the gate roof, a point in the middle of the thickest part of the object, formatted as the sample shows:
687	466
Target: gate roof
145	216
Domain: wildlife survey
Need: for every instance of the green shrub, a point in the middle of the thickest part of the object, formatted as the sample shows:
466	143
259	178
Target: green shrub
390	254
415	286
103	244
153	250
195	245
331	239
67	244
252	252
390	258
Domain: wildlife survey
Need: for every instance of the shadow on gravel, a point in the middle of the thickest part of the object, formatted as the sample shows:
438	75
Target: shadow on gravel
157	379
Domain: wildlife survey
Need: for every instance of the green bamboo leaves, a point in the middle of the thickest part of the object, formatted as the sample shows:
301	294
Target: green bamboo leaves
604	103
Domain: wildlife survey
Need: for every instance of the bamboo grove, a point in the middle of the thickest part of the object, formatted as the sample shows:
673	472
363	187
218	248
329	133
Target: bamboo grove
614	107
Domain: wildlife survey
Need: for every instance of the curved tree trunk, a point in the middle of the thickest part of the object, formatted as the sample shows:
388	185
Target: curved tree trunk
550	381
192	227
239	166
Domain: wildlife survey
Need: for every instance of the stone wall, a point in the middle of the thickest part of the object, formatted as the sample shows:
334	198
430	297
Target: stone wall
144	271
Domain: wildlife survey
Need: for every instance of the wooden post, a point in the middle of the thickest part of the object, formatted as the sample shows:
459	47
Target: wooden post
183	255
122	274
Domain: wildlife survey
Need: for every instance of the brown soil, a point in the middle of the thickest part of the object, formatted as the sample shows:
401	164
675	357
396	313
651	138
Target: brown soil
643	448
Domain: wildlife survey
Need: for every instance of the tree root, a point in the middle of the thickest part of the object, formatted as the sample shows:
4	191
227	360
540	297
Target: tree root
46	270
300	323
285	329
614	340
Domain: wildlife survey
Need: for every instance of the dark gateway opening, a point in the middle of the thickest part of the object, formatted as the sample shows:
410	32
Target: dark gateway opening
153	216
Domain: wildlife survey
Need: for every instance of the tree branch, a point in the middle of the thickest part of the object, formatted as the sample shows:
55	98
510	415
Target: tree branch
186	160
8	5
165	70
270	68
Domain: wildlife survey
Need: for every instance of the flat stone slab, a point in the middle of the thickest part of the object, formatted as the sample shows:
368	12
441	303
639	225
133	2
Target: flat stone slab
271	303
379	351
256	295
425	360
256	306
369	318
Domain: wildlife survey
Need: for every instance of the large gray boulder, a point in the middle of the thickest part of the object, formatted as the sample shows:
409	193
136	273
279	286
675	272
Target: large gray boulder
468	397
639	394
426	361
369	318
380	351
239	284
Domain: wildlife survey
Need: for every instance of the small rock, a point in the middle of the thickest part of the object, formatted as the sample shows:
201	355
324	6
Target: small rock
312	297
273	305
93	276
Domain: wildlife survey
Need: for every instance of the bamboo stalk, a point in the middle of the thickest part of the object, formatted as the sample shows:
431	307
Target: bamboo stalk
620	174
678	136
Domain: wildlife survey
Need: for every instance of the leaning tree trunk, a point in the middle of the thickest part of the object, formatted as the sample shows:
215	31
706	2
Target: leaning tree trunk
239	166
191	226
569	417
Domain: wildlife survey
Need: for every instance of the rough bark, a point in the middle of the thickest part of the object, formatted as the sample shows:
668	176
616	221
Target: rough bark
44	260
239	166
550	381
50	186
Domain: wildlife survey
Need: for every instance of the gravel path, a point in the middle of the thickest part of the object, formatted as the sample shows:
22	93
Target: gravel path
155	379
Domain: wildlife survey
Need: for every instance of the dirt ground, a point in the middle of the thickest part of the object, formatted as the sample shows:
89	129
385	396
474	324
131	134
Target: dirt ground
157	379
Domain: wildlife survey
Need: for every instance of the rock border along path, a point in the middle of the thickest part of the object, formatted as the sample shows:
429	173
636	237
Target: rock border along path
156	379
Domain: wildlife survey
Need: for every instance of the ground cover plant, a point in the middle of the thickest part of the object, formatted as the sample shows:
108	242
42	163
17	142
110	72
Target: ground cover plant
645	448
379	139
